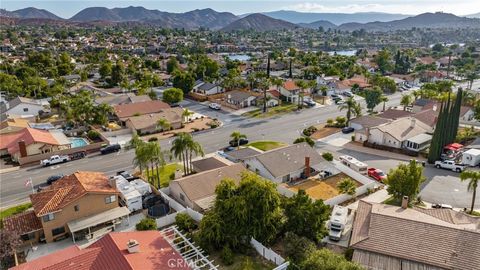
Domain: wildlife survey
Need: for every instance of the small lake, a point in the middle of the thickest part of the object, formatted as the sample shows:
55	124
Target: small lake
344	52
239	57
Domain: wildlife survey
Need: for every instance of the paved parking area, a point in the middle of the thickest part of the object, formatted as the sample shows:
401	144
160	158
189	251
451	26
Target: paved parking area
337	139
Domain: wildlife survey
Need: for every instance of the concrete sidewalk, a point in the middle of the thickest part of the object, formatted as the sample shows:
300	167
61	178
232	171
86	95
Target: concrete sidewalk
390	155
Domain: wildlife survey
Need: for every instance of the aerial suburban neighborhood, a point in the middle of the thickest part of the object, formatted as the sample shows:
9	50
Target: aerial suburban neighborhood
165	136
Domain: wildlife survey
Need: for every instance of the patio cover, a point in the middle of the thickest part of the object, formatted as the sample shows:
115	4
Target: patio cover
90	221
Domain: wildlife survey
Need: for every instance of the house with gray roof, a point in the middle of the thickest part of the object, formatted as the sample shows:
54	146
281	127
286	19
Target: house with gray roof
207	88
240	99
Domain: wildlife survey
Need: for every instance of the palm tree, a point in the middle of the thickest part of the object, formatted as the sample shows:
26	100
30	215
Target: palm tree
406	101
157	159
141	159
474	178
353	108
468	99
384	99
302	85
347	186
237	136
186	114
416	94
178	149
163	124
471	77
193	148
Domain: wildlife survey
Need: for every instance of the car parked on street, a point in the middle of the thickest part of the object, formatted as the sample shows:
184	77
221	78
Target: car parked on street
110	149
441	205
55	159
347	130
377	174
235	143
214	106
449	165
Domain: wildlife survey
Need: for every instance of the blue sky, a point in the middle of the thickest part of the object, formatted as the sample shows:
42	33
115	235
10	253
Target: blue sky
66	8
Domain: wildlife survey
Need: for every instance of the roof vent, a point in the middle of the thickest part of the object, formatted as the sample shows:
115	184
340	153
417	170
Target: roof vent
133	246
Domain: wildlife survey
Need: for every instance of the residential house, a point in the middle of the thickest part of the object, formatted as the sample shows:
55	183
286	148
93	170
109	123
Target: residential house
29	141
209	163
290	91
124	111
239	155
21	107
13	125
386	237
72	205
119	99
137	250
197	191
410	79
147	123
359	80
240	99
208	89
396	133
362	125
287	163
394	114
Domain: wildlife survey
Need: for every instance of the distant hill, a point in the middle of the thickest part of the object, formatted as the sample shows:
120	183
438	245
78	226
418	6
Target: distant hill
35	13
425	20
6	13
259	22
476	15
335	18
315	25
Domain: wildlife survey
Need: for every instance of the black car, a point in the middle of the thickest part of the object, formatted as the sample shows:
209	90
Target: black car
78	155
53	178
110	149
347	130
235	143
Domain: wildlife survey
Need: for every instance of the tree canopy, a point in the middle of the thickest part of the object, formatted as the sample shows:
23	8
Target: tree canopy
405	180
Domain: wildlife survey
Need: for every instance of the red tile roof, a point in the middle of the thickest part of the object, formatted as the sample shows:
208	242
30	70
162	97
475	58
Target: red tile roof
126	110
69	189
29	135
290	85
22	223
110	252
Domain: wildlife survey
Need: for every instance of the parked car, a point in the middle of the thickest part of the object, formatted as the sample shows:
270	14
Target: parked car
335	96
441	205
347	94
54	178
55	159
235	143
309	103
110	149
449	165
377	174
78	155
347	130
339	102
215	106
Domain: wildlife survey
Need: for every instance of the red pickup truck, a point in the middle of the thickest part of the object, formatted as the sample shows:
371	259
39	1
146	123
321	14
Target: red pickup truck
377	174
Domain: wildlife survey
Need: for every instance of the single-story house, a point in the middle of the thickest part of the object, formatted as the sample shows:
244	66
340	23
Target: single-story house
124	111
208	89
287	163
394	114
119	99
239	155
419	142
197	191
13	125
363	123
396	133
22	107
386	237
147	123
240	99
210	163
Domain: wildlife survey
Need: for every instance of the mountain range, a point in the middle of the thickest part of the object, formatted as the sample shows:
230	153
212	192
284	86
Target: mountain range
209	18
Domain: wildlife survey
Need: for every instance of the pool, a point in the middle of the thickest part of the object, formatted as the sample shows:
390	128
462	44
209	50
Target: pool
78	142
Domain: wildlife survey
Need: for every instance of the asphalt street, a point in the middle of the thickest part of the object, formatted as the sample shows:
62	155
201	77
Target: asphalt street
284	128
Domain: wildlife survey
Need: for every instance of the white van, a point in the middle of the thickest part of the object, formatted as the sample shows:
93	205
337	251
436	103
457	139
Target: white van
354	164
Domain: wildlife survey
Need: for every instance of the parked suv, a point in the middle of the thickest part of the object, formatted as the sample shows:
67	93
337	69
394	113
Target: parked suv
110	149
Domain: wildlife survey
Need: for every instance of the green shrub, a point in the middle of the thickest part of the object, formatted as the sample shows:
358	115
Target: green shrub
309	131
93	135
172	176
327	156
153	139
146	224
185	222
227	256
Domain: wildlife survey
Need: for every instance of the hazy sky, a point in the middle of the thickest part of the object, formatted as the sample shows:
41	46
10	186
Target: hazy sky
68	8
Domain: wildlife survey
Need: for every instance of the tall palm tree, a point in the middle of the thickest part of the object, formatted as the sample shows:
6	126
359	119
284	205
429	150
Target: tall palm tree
186	114
302	85
193	148
163	124
178	149
237	136
141	159
157	159
406	101
416	94
347	186
384	99
474	178
353	108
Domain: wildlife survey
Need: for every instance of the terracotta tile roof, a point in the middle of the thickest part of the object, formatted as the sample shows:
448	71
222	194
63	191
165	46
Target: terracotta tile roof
126	110
110	252
412	235
22	223
29	135
68	189
274	92
290	85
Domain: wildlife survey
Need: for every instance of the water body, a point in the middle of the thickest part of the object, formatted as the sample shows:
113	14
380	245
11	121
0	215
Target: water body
344	52
239	57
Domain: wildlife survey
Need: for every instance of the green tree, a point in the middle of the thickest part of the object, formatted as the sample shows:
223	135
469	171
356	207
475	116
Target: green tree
146	224
327	156
406	101
473	178
347	186
172	65
384	99
185	222
306	217
327	260
373	97
308	140
186	115
10	242
383	60
405	180
297	247
353	109
105	69
184	81
163	124
237	136
172	95
184	148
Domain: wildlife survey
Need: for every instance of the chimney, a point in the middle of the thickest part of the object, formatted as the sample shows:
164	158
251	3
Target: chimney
133	246
23	148
113	182
405	202
307	167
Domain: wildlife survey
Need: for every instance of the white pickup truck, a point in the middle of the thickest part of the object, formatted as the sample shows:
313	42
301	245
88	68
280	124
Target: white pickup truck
54	160
449	165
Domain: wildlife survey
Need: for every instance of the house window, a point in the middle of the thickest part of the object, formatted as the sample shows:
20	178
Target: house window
28	236
48	217
25	109
77	208
110	199
182	197
58	231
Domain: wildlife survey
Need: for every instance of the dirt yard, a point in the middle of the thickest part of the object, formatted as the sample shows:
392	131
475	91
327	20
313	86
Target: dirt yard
321	189
323	132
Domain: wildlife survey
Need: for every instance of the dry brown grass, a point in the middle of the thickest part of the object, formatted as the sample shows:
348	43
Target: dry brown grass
324	190
323	132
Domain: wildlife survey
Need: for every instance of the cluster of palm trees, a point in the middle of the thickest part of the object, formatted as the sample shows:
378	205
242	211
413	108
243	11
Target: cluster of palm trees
353	109
149	157
185	148
473	178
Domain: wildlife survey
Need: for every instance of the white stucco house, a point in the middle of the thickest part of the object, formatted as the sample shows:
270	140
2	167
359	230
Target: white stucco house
396	133
21	107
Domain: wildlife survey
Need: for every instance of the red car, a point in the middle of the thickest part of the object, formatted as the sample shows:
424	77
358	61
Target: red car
377	174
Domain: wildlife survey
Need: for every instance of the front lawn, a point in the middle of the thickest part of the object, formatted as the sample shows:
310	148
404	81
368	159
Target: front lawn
167	173
14	210
266	145
278	110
